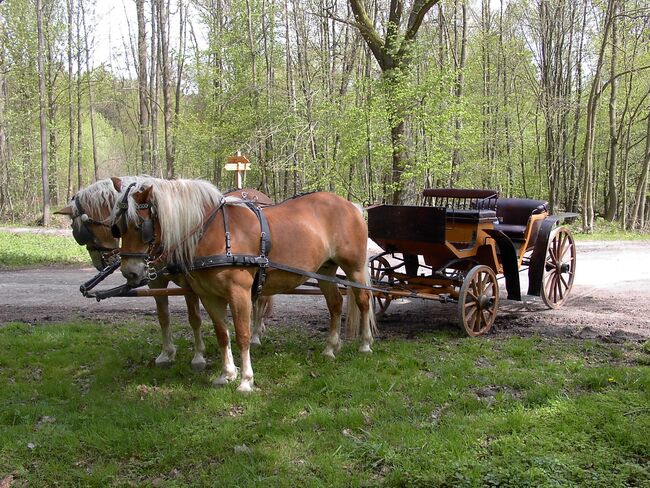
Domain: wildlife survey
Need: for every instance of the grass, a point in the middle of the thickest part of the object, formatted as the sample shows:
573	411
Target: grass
608	231
83	405
35	249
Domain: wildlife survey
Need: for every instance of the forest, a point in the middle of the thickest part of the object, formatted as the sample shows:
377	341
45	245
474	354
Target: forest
374	100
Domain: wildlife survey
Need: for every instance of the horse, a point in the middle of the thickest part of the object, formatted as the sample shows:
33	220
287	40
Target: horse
89	211
190	221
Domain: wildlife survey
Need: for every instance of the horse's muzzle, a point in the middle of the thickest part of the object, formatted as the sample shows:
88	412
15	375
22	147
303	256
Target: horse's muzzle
134	270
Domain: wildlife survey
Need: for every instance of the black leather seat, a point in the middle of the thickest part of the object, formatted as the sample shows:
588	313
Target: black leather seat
513	215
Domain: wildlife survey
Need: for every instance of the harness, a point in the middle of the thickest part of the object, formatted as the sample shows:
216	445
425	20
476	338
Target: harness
260	261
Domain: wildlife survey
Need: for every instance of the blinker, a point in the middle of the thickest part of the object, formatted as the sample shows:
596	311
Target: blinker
115	231
147	231
82	234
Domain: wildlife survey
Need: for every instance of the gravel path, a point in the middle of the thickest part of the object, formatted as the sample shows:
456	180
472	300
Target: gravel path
609	300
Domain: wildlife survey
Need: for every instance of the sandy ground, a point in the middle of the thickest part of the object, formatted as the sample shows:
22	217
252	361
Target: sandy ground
610	300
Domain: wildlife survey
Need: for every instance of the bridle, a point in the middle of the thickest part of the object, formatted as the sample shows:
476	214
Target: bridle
146	228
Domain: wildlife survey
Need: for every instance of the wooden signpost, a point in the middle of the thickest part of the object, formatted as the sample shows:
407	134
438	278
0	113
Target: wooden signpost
240	164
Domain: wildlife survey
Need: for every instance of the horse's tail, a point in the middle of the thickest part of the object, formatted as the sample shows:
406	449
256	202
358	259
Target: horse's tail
353	322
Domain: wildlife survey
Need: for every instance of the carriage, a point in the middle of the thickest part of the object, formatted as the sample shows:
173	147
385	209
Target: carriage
460	243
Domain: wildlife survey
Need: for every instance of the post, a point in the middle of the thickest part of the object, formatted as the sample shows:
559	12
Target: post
240	164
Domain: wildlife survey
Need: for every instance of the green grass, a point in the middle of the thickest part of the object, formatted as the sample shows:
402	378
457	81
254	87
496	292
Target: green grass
608	231
37	249
81	404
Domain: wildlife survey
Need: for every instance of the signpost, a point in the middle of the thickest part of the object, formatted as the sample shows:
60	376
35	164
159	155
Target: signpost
240	164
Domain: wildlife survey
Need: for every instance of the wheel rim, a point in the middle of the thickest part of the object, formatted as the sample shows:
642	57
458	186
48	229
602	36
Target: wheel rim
381	276
478	301
559	268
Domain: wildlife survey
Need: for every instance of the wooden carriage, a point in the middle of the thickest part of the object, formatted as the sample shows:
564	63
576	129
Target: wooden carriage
456	246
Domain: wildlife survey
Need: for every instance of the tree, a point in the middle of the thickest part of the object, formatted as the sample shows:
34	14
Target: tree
42	122
393	53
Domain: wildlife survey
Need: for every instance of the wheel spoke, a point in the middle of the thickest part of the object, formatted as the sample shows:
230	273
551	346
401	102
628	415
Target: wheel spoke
477	321
564	282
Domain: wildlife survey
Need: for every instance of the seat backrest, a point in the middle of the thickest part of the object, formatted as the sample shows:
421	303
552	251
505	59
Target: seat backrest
517	211
461	198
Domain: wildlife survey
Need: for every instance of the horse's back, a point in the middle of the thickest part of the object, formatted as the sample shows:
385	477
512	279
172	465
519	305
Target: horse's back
321	222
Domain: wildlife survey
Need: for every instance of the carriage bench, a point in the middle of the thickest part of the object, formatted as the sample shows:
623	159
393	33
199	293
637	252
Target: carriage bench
514	215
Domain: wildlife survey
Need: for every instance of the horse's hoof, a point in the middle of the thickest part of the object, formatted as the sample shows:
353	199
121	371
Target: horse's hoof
365	349
246	386
329	353
255	341
163	362
198	365
224	379
220	381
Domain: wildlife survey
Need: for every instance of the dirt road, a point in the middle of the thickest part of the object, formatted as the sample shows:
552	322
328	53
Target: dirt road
610	300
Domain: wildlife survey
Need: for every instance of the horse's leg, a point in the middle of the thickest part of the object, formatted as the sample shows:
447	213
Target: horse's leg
216	308
194	317
168	353
335	305
240	307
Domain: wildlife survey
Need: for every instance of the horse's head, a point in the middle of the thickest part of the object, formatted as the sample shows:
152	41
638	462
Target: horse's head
133	221
90	226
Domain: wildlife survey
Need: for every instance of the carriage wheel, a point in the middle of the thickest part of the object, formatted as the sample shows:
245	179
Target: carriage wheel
559	267
381	275
478	300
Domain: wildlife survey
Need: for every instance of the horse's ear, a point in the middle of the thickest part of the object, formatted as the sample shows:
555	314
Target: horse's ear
117	183
65	211
144	195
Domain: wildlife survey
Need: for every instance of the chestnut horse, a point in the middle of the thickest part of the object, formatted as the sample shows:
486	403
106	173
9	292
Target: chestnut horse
90	210
317	232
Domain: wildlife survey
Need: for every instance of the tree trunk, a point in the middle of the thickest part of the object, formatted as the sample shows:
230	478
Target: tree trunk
79	117
638	215
180	64
91	109
143	94
42	123
70	105
459	88
590	129
393	54
163	39
612	193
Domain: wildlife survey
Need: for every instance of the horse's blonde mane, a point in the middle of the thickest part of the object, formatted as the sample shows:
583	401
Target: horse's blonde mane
179	206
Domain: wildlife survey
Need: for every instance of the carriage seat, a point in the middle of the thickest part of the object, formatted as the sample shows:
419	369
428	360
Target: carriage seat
513	215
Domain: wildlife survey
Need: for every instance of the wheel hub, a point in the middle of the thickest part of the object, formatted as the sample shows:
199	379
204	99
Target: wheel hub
484	302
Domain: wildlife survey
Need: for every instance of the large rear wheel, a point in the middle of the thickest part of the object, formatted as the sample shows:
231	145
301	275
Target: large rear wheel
559	267
478	301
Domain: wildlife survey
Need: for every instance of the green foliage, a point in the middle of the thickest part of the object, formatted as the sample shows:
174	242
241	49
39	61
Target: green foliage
27	249
83	404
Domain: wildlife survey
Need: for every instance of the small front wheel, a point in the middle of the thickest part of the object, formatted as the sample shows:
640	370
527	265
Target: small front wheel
478	301
381	275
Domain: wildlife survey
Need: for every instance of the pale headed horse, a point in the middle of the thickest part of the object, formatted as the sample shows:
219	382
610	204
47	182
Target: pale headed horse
192	223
